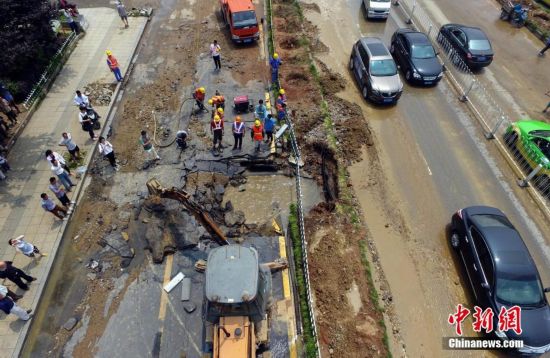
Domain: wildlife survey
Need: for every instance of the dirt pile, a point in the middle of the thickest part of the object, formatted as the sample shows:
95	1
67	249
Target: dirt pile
99	94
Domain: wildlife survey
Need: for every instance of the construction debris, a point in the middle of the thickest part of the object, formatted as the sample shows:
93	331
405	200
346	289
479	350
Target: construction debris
174	282
99	93
186	289
200	266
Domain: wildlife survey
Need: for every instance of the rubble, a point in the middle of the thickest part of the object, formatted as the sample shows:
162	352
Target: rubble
99	93
233	218
70	324
115	242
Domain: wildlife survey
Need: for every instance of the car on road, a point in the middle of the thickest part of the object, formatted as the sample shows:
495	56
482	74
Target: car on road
377	9
469	43
416	57
375	71
531	139
502	273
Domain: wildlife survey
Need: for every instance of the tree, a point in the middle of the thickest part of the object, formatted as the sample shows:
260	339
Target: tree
27	42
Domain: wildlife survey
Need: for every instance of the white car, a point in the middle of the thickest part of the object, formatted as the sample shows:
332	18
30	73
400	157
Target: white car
377	9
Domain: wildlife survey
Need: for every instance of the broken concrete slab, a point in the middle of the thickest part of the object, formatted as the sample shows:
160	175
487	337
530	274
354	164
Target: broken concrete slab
233	218
70	324
186	289
116	243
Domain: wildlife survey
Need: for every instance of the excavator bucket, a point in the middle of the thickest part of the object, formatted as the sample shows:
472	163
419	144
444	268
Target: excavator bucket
154	186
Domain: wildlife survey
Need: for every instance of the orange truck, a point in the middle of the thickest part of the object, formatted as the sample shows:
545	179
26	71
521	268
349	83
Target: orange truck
240	17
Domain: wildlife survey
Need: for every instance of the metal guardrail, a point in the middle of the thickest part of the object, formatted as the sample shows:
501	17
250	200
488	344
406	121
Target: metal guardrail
50	72
493	117
299	203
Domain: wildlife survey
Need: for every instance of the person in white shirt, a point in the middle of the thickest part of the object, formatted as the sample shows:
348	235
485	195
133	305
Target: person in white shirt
215	50
107	150
80	99
58	170
67	141
86	122
50	156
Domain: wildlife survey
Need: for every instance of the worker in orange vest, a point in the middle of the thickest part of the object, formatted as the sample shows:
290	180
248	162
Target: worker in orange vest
113	65
216	128
199	96
218	101
257	134
238	132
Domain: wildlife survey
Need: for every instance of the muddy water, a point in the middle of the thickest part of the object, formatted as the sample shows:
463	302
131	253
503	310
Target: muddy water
260	188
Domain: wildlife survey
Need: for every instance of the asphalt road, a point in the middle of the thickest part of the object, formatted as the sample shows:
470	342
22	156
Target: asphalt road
433	161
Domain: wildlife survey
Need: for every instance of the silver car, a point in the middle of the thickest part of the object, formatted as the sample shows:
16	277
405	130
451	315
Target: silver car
375	71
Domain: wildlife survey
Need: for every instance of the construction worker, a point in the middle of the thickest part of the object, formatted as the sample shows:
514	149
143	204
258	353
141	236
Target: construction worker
269	127
218	101
257	134
238	132
282	97
281	111
261	110
216	128
219	112
199	96
113	65
275	63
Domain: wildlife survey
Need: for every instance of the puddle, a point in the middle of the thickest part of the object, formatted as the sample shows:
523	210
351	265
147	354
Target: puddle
354	298
263	200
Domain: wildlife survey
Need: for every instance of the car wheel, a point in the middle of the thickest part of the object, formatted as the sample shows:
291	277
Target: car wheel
365	92
351	63
455	240
392	49
408	75
511	139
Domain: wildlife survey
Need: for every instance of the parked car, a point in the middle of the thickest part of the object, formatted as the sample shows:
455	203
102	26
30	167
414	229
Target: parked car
377	9
470	43
502	273
416	57
532	140
375	71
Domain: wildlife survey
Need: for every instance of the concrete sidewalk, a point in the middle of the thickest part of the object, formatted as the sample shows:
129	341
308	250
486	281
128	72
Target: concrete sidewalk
20	210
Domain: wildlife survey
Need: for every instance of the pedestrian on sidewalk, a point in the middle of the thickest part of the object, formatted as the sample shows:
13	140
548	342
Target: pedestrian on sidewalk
8	110
55	187
269	126
48	205
216	128
15	275
257	134
4	291
6	94
275	63
261	110
112	62
81	100
86	122
67	141
8	306
148	146
238	132
51	155
546	47
122	13
199	96
108	152
24	247
216	50
70	20
63	176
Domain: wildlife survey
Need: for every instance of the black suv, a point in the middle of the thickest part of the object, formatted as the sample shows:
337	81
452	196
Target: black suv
502	273
375	71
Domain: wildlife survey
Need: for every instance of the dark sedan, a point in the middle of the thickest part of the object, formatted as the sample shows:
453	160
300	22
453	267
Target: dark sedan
502	273
416	57
470	43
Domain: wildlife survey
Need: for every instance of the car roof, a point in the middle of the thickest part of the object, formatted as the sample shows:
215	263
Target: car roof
375	47
415	37
473	33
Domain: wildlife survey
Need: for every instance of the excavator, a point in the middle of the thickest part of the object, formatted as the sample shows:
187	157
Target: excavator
238	288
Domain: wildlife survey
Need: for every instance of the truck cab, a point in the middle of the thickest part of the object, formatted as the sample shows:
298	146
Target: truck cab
240	17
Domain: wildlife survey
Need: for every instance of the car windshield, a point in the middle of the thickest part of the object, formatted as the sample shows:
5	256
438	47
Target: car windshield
380	0
540	133
422	51
512	289
487	220
244	18
543	145
383	68
480	45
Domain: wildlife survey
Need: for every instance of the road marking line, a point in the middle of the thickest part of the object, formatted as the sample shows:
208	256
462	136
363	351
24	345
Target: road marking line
291	326
261	41
426	162
164	295
286	279
267	101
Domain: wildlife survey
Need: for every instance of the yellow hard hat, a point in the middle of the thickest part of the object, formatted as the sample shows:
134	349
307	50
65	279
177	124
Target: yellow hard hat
238	119
108	53
217	118
210	101
220	110
202	90
275	55
281	91
257	123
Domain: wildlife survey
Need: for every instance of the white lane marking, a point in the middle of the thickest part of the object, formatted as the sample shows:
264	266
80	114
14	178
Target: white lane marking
426	162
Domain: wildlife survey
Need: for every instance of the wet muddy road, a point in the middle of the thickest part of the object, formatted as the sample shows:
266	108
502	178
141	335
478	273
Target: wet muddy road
429	161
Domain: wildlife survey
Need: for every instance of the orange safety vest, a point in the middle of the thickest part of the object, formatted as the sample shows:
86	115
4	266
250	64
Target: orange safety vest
218	100
199	95
112	62
258	132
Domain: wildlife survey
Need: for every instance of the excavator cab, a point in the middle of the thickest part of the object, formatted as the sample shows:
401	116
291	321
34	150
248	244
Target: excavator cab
238	289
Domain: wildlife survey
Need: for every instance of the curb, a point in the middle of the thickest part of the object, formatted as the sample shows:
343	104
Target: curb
111	111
